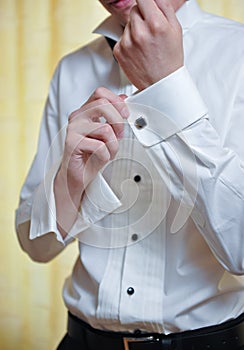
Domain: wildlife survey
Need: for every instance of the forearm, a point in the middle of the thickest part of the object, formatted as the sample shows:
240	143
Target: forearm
203	176
206	181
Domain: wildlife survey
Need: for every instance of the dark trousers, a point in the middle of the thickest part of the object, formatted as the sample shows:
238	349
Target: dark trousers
68	343
227	336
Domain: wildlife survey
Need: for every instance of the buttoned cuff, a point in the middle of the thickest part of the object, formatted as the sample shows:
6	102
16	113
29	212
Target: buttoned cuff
165	108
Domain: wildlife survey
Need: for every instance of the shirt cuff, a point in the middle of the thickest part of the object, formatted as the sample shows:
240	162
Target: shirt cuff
99	200
165	108
43	213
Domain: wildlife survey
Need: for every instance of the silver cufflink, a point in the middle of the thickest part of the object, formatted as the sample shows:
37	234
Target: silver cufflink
140	123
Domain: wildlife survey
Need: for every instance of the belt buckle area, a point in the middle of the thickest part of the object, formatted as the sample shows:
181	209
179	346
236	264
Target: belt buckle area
128	340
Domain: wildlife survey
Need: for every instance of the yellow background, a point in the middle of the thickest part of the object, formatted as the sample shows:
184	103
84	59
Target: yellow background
34	34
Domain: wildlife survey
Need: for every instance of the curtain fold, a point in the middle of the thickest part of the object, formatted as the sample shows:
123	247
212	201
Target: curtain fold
34	35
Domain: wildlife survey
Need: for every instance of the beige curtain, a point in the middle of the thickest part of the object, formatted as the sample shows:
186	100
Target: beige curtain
34	34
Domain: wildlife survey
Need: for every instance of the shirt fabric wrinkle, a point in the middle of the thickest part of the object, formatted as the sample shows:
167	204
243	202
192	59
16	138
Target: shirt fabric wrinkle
174	289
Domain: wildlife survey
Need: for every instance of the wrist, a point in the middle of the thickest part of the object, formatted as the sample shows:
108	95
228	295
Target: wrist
67	189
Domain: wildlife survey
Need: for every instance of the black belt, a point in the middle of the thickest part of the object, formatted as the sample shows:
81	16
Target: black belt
226	336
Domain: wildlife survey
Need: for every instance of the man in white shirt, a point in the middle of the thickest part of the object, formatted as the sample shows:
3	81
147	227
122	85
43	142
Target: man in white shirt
141	160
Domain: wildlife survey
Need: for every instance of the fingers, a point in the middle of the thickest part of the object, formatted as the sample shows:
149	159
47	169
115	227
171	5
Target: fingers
98	143
86	133
150	9
91	114
150	18
90	142
167	9
106	96
104	103
96	148
136	24
104	140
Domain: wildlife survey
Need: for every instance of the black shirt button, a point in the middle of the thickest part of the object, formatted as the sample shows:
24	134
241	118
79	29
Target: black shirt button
137	178
134	237
130	291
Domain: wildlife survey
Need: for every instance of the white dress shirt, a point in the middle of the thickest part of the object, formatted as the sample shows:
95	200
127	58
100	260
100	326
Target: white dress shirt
161	228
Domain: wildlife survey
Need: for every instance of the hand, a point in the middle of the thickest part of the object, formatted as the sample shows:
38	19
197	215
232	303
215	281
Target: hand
89	145
151	46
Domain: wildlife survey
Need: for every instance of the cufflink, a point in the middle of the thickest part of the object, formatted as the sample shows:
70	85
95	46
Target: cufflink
140	123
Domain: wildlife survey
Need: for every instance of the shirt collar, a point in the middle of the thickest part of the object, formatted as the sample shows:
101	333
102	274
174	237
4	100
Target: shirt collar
188	14
110	28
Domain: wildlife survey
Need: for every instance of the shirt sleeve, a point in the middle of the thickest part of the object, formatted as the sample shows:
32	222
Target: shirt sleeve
35	218
171	121
98	201
34	196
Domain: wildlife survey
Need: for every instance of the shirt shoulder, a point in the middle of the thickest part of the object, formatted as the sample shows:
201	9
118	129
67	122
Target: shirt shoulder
80	72
222	27
86	63
97	47
219	39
